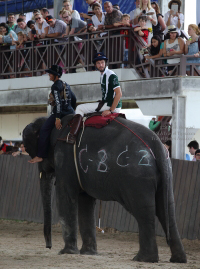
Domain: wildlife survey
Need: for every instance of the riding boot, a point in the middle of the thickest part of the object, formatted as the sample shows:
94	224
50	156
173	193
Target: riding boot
74	128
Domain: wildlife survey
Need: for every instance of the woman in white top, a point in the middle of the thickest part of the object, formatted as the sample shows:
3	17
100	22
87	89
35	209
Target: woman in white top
174	18
99	17
146	8
174	46
41	26
68	6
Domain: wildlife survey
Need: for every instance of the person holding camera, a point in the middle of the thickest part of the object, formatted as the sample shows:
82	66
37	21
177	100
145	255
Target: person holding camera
174	16
146	10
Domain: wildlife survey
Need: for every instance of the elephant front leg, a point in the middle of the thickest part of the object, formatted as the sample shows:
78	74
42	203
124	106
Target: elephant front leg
87	224
46	183
67	204
148	251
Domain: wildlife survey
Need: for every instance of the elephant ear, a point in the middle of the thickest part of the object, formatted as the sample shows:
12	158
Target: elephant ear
37	124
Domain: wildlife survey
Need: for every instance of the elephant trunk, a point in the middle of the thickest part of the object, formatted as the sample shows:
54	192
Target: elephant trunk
46	183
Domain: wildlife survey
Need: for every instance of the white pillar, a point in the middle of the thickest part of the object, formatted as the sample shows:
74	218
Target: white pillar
178	127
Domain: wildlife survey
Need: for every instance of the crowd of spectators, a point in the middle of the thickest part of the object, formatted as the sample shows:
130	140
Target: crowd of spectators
16	149
161	33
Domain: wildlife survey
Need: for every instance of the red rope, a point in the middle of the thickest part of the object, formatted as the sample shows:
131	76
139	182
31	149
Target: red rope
137	137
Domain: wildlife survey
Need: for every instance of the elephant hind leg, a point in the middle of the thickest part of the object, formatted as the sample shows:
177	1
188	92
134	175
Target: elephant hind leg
175	244
87	224
148	251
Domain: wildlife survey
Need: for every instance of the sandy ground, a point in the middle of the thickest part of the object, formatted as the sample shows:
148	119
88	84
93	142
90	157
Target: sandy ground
22	246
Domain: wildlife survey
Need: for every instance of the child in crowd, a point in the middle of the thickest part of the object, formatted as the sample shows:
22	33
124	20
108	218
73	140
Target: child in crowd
32	33
156	48
125	22
92	29
142	29
20	43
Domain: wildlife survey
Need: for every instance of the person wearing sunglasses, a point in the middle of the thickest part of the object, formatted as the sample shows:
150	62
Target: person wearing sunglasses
57	28
41	26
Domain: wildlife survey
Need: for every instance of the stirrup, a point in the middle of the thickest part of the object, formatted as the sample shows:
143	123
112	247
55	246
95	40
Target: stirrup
70	141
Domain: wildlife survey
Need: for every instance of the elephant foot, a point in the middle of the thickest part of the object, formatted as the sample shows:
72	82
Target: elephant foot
180	258
145	258
48	242
68	251
88	251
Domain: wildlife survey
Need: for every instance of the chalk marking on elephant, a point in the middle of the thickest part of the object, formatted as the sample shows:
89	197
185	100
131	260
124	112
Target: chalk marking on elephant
76	166
120	156
140	162
102	162
80	155
137	137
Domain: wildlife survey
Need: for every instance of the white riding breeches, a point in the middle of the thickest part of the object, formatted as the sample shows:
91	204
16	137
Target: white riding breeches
91	107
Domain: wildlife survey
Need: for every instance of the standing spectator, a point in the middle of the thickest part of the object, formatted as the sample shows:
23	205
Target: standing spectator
22	16
112	16
32	33
44	12
90	10
68	6
156	48
132	13
74	26
173	46
57	28
142	29
193	146
35	11
160	27
197	155
99	17
2	146
22	27
146	9
8	35
41	26
11	21
192	46
116	6
174	18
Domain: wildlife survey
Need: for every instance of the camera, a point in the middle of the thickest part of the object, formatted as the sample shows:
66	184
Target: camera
144	12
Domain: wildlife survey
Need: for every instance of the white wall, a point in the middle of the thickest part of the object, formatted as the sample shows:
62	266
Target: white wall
190	13
12	125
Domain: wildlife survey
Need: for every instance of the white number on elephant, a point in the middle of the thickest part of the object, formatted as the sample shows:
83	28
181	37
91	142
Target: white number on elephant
102	167
120	156
144	160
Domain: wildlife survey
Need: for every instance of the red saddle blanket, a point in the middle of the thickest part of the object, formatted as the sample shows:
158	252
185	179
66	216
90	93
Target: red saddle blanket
98	121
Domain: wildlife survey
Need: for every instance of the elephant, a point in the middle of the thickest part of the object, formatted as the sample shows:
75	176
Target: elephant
124	162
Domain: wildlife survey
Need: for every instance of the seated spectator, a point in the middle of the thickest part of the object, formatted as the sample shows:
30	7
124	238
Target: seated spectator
161	26
146	9
173	46
116	6
21	151
68	6
7	34
112	16
142	29
22	27
156	48
193	146
174	18
57	28
197	155
22	16
99	17
192	46
2	146
74	26
11	21
132	13
44	12
41	26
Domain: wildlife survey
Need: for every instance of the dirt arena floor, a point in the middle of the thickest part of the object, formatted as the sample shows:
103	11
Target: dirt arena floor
22	246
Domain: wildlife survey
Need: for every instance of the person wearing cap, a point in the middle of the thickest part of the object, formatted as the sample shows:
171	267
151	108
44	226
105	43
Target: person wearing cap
57	28
174	18
173	46
63	101
111	97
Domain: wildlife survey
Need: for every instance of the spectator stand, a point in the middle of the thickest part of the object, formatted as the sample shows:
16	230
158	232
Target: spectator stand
68	54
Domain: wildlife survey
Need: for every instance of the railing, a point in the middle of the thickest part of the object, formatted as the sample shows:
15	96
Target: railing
33	59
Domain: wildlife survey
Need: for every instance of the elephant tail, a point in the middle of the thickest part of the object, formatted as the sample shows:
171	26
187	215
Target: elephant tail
164	165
